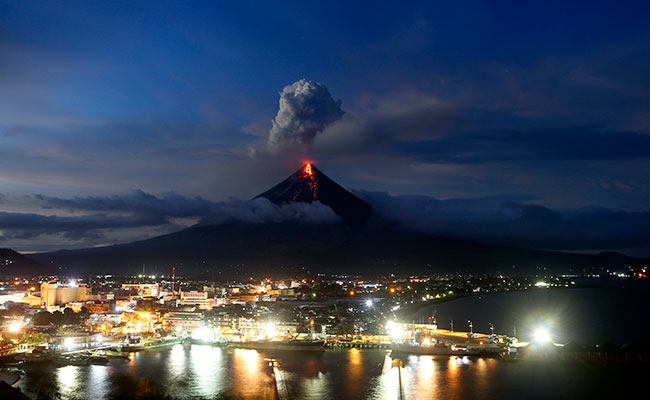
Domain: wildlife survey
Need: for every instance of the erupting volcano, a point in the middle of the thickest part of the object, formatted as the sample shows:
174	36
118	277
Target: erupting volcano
308	184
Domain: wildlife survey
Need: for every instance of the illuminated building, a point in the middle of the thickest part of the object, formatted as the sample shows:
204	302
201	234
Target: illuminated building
55	294
183	321
196	298
143	289
73	341
15	297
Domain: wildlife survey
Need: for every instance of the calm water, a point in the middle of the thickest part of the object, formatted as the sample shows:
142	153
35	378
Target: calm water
205	372
589	316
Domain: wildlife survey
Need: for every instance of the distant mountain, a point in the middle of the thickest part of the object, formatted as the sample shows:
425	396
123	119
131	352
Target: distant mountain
13	263
241	249
359	244
308	184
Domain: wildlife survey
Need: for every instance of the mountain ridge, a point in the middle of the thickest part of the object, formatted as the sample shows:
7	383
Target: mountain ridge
361	243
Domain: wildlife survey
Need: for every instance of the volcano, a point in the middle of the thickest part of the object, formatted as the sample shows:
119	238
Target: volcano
359	243
309	184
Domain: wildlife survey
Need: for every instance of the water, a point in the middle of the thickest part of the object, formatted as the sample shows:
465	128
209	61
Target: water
588	316
205	372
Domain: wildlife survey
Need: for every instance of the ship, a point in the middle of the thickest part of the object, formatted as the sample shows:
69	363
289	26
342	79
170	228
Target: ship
438	349
283	345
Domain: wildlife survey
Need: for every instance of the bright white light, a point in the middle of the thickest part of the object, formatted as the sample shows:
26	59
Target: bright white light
542	284
203	334
270	329
368	303
542	335
68	343
72	283
396	331
15	326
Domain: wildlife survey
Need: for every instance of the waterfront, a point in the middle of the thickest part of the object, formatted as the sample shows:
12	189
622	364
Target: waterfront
586	315
205	372
186	371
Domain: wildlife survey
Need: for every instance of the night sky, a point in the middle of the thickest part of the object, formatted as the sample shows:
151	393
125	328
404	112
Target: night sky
517	122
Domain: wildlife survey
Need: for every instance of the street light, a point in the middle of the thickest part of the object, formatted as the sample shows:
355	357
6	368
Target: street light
542	335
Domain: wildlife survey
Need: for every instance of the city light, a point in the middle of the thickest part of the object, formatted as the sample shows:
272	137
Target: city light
369	303
15	327
68	343
204	334
542	335
270	329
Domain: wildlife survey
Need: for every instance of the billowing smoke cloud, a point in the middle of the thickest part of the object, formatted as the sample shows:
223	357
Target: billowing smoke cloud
306	108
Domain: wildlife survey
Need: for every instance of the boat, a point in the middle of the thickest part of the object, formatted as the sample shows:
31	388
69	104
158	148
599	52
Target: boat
438	349
37	355
112	354
98	360
77	360
9	378
283	345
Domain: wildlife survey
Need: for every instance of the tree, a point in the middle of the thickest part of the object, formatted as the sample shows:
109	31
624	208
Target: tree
34	338
57	318
70	317
42	318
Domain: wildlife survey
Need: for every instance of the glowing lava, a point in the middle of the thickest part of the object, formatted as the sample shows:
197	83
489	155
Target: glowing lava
312	181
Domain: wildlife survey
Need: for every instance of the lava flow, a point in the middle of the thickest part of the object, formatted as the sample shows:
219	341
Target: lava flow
308	173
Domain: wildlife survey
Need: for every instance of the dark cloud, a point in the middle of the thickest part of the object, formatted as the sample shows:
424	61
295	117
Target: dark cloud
426	129
135	201
578	143
29	225
123	218
514	221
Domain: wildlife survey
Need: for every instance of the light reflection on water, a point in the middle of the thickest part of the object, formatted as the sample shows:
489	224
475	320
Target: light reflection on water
205	372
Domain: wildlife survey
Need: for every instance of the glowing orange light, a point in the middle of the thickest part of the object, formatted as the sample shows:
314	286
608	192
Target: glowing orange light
308	169
392	290
351	292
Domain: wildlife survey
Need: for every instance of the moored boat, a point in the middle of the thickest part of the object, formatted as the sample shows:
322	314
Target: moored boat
283	345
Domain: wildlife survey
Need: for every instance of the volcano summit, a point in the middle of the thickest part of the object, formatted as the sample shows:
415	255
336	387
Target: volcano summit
358	242
309	184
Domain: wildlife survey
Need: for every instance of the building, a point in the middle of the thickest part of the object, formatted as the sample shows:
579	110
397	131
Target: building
183	321
98	307
56	294
75	341
143	289
14	297
199	299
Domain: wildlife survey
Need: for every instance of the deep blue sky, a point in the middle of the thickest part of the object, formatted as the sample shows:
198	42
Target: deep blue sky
543	104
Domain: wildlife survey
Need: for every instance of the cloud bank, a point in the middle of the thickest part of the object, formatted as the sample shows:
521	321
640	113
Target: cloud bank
93	220
514	220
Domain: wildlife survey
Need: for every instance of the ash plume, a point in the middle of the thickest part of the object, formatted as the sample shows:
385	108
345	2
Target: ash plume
306	109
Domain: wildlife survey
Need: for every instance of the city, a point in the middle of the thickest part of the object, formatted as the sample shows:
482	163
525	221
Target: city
324	200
